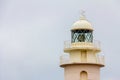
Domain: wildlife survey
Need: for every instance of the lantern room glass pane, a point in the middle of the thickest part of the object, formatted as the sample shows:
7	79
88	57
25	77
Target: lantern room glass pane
81	36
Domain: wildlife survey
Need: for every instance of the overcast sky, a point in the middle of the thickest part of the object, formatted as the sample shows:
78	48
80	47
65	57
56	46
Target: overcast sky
32	33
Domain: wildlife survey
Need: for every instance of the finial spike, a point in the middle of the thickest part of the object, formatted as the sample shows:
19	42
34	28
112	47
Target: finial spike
82	17
82	12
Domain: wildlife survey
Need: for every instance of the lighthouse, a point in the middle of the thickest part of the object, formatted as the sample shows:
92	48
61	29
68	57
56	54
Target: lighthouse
82	59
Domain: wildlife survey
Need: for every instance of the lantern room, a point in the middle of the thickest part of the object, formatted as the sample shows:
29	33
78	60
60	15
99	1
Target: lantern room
82	31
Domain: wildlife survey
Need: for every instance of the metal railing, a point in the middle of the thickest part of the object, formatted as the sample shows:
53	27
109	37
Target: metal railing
95	44
65	59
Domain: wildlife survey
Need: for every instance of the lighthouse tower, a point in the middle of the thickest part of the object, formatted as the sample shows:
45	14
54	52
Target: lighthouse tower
81	60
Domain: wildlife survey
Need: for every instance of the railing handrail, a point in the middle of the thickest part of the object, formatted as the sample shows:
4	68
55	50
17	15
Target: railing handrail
66	59
96	43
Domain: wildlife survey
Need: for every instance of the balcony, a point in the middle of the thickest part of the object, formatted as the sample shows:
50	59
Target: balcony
65	60
95	45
